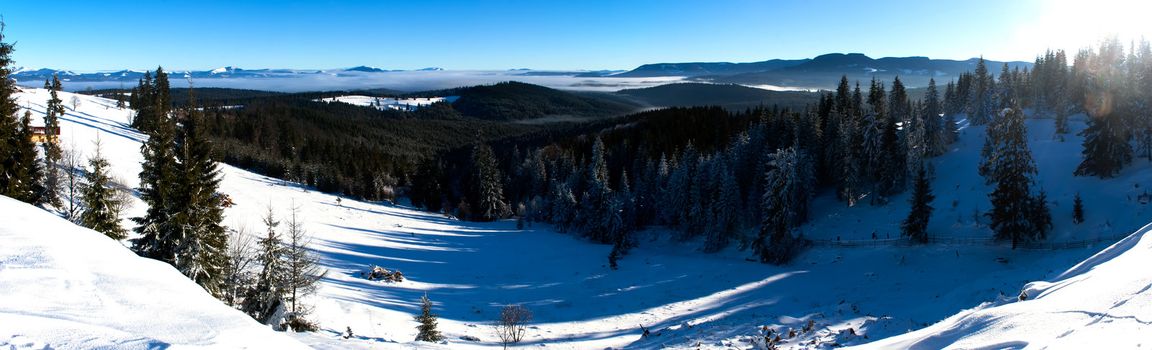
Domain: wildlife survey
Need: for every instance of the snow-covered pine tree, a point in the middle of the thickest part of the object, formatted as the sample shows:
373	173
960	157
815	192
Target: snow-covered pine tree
98	199
9	122
851	180
201	241
487	188
266	297
25	174
20	173
916	146
159	177
52	151
979	104
594	213
775	243
915	226
563	206
675	202
427	331
725	208
937	137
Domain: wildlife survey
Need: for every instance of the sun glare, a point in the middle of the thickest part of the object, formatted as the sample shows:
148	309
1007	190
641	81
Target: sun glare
1073	25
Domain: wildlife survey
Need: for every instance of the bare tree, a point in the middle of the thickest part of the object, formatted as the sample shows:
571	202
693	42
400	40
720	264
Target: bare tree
241	258
303	271
75	102
513	323
122	195
72	161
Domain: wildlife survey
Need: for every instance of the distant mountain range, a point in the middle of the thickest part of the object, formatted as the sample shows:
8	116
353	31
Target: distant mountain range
25	75
822	72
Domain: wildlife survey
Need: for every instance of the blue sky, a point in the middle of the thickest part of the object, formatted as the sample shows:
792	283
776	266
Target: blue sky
545	34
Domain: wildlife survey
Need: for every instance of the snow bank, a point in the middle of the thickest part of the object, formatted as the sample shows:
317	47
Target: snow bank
1104	302
63	286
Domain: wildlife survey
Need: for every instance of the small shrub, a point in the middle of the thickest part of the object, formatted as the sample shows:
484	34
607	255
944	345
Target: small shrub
513	323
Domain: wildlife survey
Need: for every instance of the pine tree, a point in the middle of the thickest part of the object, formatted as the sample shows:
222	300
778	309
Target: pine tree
262	301
26	174
52	151
15	174
775	243
1041	216
159	177
427	328
980	101
487	190
1009	166
1077	209
937	135
201	241
100	203
1106	150
915	226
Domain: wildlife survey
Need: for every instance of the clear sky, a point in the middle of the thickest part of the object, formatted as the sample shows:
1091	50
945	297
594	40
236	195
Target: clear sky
545	34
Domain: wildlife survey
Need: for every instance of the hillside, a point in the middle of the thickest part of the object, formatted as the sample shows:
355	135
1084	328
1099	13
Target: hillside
68	287
687	299
735	97
518	101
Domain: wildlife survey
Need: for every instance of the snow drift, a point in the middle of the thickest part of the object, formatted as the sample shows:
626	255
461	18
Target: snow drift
1103	302
63	286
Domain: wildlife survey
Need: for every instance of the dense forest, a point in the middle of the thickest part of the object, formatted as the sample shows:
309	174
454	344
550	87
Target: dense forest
746	177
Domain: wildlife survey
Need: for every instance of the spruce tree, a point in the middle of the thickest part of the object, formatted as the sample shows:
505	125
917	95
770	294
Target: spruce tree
427	329
12	176
201	241
160	180
1008	165
1077	209
487	190
52	151
781	204
1106	150
99	199
937	138
26	174
915	226
267	295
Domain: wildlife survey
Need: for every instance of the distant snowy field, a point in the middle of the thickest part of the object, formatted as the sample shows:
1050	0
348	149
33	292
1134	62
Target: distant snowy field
687	299
388	103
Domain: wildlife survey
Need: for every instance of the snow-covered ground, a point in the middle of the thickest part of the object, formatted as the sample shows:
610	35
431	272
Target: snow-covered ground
687	299
66	287
386	103
1103	302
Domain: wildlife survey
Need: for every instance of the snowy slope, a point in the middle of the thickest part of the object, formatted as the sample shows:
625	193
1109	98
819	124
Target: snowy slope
66	287
1104	302
687	299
